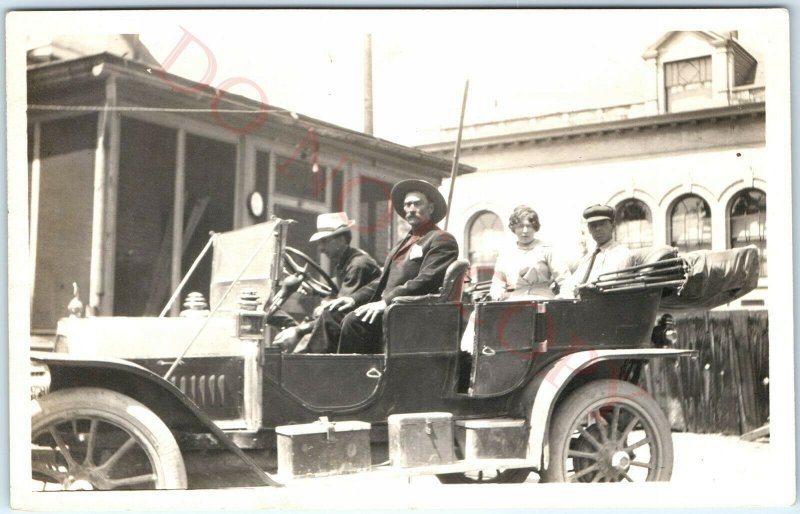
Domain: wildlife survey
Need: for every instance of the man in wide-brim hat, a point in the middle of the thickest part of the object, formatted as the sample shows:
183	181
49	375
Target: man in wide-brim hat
351	269
415	266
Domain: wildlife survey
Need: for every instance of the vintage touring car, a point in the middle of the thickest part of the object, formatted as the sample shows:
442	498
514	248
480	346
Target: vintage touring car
205	400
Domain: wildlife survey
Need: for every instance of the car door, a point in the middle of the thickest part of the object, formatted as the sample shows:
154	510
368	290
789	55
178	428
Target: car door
331	382
505	344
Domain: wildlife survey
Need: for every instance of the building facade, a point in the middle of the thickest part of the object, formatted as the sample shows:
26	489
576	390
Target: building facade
685	167
130	168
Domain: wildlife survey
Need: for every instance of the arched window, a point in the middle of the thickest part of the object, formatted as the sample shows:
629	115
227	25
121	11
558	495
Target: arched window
484	238
690	224
747	223
633	224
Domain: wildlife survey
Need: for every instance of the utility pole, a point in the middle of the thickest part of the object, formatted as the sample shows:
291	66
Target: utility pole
368	128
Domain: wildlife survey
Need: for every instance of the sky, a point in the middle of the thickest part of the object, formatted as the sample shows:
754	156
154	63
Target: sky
519	62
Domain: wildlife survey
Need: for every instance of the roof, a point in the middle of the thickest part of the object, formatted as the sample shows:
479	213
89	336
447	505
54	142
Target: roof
618	126
94	68
713	38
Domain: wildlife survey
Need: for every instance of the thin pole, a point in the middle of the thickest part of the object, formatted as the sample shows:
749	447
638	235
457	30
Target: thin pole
368	108
187	276
456	152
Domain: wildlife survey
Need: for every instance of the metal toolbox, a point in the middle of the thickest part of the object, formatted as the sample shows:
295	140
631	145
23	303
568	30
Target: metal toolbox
323	448
498	438
421	438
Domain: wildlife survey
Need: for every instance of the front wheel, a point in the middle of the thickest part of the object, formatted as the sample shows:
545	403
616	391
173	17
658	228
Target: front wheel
96	439
609	431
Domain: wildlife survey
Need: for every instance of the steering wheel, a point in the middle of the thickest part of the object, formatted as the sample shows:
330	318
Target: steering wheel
319	282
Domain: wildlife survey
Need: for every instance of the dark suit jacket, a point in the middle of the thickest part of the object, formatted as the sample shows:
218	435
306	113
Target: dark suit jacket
415	266
354	270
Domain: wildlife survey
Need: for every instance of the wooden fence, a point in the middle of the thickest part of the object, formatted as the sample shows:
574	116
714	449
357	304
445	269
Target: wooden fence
726	388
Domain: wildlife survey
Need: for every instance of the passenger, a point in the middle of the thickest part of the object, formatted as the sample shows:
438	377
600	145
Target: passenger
352	269
415	266
527	269
607	255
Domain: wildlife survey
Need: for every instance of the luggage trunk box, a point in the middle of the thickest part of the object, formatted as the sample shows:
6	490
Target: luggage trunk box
421	438
323	448
499	438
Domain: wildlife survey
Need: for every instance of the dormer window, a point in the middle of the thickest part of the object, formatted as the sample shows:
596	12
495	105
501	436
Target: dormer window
687	84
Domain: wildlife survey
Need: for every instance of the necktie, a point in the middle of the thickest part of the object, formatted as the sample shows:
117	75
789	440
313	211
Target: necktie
591	263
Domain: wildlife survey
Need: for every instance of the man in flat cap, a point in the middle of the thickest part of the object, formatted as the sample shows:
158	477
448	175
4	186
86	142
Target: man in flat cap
415	266
607	255
352	269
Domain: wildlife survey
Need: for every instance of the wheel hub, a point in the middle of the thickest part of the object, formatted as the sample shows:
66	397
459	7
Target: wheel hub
78	485
86	478
620	461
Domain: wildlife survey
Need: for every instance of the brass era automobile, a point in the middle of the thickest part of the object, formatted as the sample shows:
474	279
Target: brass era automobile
194	401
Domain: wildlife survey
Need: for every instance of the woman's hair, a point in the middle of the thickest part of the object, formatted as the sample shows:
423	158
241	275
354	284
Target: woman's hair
522	213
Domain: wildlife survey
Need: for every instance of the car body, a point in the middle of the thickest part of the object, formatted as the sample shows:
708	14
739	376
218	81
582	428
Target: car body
220	388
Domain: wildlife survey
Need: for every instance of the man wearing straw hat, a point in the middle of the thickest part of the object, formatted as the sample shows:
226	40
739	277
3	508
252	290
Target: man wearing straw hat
352	269
415	266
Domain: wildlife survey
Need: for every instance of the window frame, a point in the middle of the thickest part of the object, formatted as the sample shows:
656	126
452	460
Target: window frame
671	213
649	217
762	273
469	238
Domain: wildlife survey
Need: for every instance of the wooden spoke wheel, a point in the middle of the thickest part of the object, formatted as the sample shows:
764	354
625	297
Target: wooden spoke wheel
97	439
609	431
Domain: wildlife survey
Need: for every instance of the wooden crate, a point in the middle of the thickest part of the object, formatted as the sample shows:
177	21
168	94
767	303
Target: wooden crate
421	438
498	438
323	448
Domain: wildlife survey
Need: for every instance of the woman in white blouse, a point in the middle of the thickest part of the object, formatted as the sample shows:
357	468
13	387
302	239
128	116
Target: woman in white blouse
526	270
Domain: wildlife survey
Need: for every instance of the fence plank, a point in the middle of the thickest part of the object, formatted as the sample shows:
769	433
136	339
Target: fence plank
726	388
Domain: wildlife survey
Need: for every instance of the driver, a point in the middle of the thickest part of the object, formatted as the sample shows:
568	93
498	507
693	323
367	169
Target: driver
353	268
415	266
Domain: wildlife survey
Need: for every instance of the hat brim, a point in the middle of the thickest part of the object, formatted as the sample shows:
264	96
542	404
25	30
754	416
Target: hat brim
597	218
401	189
328	233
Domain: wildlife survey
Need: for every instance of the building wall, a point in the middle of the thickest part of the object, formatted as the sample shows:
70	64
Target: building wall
713	161
144	189
63	175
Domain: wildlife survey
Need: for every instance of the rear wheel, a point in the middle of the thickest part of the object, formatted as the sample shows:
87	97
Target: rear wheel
609	431
486	476
96	439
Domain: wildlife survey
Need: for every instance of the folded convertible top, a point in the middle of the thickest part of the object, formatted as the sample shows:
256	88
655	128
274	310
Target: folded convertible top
714	278
696	280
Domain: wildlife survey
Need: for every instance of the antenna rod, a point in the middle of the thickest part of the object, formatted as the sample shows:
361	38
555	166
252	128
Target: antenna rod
456	152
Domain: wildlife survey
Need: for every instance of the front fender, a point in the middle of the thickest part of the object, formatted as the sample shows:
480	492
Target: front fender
550	383
176	409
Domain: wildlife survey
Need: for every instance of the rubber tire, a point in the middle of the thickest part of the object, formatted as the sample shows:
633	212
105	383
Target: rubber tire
591	393
149	431
508	476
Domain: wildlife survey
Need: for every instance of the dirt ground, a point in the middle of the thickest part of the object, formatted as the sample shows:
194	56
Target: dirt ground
708	469
703	458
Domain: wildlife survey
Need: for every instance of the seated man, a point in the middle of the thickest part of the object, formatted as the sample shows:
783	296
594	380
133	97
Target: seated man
607	256
352	269
415	266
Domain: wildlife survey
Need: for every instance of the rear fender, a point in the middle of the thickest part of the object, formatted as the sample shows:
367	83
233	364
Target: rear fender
549	384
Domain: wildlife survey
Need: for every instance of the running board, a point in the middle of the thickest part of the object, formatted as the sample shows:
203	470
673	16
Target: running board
388	471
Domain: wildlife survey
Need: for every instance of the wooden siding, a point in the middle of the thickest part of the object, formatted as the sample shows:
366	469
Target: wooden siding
65	218
726	389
